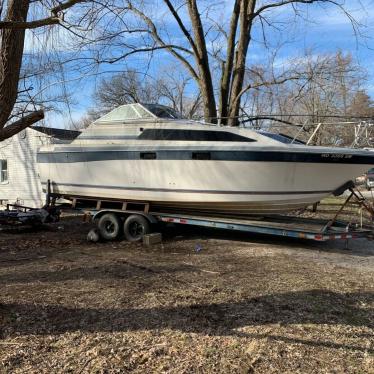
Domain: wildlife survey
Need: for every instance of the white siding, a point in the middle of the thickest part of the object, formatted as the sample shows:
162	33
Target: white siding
23	185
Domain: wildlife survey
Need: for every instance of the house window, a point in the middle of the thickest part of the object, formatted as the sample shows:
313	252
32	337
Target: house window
3	171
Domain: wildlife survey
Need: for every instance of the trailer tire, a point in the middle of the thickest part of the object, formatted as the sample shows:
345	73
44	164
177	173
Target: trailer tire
109	226
135	227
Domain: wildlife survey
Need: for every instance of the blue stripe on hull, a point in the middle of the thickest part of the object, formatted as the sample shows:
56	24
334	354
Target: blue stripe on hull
257	156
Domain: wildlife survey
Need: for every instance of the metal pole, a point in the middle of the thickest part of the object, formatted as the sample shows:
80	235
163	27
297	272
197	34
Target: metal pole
314	133
332	221
48	195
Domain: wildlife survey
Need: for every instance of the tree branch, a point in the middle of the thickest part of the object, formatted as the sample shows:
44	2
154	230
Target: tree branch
262	84
21	124
68	4
29	25
52	20
143	50
157	38
285	2
181	25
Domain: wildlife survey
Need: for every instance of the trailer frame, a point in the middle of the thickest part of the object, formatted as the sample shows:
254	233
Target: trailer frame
276	225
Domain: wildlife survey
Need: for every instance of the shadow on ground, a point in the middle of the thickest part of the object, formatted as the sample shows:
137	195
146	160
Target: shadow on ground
127	270
180	232
218	319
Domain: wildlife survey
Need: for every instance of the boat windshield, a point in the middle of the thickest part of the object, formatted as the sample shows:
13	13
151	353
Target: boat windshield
129	112
162	111
281	138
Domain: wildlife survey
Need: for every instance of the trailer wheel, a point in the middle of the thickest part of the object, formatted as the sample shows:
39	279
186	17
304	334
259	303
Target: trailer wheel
109	226
135	227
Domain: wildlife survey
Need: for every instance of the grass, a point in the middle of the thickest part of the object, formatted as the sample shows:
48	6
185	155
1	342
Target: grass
241	305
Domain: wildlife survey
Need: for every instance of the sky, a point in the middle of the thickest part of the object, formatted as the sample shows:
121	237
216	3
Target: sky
320	29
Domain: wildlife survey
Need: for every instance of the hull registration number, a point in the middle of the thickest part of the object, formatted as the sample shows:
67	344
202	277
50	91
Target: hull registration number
335	155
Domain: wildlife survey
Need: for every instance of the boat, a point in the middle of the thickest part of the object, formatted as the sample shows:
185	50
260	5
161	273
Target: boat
147	153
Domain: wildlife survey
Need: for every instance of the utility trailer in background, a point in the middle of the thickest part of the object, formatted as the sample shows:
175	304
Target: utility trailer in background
19	215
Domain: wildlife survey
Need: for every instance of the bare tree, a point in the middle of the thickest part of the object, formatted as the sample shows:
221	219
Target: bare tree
168	88
195	46
13	25
361	105
214	54
327	90
126	88
174	87
326	86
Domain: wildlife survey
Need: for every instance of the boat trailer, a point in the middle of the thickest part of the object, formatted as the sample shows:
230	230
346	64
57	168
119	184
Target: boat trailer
134	219
133	224
137	224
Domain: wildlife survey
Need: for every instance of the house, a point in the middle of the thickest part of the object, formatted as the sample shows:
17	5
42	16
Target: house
19	178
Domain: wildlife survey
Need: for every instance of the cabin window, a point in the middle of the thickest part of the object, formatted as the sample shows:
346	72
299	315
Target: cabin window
193	135
201	156
3	171
148	156
161	111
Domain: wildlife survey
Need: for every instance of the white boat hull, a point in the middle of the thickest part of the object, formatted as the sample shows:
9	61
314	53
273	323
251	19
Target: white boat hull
257	187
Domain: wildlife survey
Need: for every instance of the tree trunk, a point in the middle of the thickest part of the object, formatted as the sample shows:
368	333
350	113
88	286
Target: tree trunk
245	25
12	43
227	67
202	61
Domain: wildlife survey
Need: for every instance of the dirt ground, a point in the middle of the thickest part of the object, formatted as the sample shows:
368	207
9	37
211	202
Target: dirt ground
202	301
